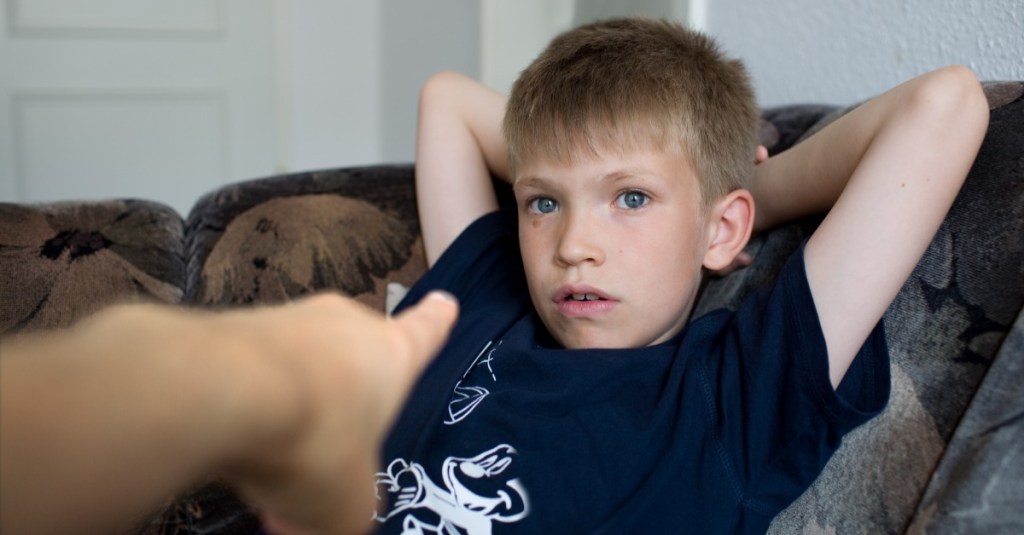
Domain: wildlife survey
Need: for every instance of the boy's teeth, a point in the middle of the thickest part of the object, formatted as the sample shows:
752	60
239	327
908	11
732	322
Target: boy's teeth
584	297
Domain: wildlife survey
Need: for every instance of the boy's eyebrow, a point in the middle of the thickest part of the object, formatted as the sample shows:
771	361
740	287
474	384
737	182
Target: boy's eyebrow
534	181
613	176
622	174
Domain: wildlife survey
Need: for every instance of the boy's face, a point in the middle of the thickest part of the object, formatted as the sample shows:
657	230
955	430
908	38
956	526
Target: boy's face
612	246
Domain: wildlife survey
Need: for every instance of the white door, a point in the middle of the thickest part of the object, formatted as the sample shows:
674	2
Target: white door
155	99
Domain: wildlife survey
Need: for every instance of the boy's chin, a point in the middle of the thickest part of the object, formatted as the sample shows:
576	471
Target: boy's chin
602	339
580	340
603	334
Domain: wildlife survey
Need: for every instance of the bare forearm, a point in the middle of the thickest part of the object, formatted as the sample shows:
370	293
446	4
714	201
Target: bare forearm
810	177
289	403
458	148
887	173
101	425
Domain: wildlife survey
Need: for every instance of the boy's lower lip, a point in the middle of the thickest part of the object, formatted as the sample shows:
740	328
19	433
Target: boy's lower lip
584	309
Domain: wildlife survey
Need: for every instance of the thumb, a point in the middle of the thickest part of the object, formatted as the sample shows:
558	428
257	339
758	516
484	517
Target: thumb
426	325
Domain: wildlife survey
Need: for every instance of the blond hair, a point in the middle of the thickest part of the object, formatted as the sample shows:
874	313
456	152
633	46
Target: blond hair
636	83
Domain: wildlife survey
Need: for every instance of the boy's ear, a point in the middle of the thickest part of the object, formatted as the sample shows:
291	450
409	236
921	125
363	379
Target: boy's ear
730	223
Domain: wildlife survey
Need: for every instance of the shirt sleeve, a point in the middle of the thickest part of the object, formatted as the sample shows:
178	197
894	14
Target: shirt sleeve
481	266
776	418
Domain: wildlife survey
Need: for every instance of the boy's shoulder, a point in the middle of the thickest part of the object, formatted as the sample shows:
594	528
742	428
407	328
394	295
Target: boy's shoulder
481	266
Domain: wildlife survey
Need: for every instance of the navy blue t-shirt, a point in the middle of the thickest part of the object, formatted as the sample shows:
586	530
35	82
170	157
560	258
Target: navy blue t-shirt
714	431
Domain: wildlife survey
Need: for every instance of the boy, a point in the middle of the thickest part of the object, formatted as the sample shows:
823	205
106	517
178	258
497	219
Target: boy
573	396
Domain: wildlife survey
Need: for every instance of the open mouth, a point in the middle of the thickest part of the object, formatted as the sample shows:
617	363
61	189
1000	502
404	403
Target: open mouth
584	297
574	303
579	293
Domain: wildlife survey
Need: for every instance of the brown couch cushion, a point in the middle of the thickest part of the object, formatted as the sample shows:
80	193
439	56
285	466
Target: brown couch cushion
269	240
62	261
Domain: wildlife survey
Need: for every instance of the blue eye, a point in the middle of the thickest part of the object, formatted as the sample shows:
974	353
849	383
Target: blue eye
543	205
632	200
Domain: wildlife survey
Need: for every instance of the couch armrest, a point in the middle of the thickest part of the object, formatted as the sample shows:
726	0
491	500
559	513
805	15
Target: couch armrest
62	261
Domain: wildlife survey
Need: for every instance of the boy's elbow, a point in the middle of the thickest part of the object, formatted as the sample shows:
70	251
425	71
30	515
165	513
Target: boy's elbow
950	105
970	93
441	88
954	96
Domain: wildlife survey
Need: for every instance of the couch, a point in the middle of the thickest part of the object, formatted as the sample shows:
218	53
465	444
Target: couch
946	456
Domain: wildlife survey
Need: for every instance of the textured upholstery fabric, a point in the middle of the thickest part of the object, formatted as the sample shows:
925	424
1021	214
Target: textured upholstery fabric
945	456
265	241
61	261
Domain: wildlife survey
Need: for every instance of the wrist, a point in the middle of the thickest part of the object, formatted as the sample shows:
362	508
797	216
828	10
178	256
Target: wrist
265	405
221	378
765	188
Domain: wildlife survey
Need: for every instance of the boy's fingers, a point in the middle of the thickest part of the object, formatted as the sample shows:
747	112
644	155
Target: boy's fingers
427	324
761	154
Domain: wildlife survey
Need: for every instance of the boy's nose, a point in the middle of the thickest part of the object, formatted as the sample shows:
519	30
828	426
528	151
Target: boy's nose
578	242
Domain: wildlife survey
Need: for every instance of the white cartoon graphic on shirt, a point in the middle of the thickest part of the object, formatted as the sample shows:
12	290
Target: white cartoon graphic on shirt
462	510
466	398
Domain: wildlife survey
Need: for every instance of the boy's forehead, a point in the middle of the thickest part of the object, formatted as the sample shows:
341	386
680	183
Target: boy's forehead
604	137
608	162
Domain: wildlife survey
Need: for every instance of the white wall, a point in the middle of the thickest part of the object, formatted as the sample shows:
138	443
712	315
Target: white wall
841	52
419	38
513	33
329	80
352	68
350	73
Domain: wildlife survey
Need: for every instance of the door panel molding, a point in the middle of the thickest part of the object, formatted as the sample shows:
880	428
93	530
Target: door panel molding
141	19
69	140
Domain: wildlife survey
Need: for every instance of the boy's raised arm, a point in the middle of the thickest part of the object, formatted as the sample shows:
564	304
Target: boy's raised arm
458	146
892	167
